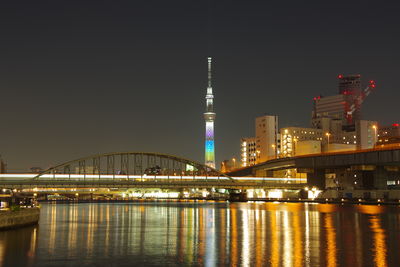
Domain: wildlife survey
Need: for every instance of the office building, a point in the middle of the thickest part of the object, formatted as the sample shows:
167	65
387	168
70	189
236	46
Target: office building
266	137
248	152
297	141
345	106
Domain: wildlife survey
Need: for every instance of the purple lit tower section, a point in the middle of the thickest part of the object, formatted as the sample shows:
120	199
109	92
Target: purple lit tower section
209	117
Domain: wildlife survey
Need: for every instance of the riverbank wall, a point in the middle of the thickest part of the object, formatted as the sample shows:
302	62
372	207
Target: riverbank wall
14	219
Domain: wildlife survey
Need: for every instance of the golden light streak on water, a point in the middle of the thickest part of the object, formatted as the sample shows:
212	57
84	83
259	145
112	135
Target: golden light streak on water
182	236
72	229
234	236
274	236
246	238
258	239
287	240
189	235
53	227
202	234
91	224
2	252
32	247
370	209
307	237
107	233
298	242
223	231
379	240
331	257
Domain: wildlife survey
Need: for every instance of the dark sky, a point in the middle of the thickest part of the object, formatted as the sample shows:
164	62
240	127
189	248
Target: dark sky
85	77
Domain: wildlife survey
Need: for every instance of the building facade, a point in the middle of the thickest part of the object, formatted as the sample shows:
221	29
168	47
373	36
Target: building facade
345	106
248	152
297	141
266	128
389	135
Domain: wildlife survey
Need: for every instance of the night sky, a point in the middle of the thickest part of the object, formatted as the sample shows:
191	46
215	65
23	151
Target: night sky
84	77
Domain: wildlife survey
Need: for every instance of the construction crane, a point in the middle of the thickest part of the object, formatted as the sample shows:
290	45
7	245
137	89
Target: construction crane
357	100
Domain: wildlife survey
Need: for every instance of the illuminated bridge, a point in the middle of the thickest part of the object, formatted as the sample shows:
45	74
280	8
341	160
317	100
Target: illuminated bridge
377	168
139	170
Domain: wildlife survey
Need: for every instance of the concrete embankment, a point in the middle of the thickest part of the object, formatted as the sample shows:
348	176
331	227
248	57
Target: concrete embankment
22	217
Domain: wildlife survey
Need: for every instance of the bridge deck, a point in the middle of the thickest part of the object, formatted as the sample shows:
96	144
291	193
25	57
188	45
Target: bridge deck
132	181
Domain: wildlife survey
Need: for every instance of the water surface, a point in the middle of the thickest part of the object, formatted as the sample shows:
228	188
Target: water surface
206	234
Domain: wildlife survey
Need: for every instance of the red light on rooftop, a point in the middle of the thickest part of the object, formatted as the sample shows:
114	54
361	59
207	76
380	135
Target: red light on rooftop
371	81
340	76
395	124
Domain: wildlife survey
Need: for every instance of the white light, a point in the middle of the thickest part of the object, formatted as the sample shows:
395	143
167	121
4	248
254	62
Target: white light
275	194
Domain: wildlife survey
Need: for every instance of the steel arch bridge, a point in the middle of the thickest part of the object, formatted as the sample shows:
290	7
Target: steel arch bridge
132	165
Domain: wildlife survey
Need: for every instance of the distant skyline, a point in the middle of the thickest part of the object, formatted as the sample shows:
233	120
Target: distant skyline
86	77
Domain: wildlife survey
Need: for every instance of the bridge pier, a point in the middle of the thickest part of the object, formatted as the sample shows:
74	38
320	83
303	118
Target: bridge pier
380	177
237	195
316	178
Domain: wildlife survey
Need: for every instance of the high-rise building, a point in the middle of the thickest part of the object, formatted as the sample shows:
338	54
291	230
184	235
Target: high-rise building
350	84
266	138
248	152
344	107
209	117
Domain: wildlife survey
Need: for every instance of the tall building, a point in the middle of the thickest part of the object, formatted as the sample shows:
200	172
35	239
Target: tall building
345	106
209	117
248	152
350	84
266	138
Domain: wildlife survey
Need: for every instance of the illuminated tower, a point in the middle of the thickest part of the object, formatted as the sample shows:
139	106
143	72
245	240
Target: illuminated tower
209	117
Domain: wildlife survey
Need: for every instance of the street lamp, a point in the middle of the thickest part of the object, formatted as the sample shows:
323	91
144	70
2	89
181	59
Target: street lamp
274	148
234	163
375	136
328	135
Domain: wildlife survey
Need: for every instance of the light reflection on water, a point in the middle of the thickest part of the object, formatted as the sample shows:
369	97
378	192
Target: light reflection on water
206	233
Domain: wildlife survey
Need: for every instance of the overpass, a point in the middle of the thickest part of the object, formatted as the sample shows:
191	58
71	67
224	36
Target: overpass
369	169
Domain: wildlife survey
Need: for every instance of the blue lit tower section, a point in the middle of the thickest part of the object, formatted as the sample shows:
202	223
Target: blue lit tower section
209	117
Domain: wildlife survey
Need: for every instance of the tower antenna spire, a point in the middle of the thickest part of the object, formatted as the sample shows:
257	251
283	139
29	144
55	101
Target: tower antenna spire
209	71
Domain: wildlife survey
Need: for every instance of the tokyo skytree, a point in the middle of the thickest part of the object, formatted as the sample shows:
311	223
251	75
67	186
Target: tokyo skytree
209	117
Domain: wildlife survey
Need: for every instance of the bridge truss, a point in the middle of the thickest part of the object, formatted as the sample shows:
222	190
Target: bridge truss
132	165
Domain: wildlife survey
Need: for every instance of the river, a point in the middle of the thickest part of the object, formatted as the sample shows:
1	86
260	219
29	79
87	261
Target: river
206	234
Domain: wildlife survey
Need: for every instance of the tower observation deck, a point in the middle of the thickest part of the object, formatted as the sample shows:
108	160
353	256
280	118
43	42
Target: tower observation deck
209	117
